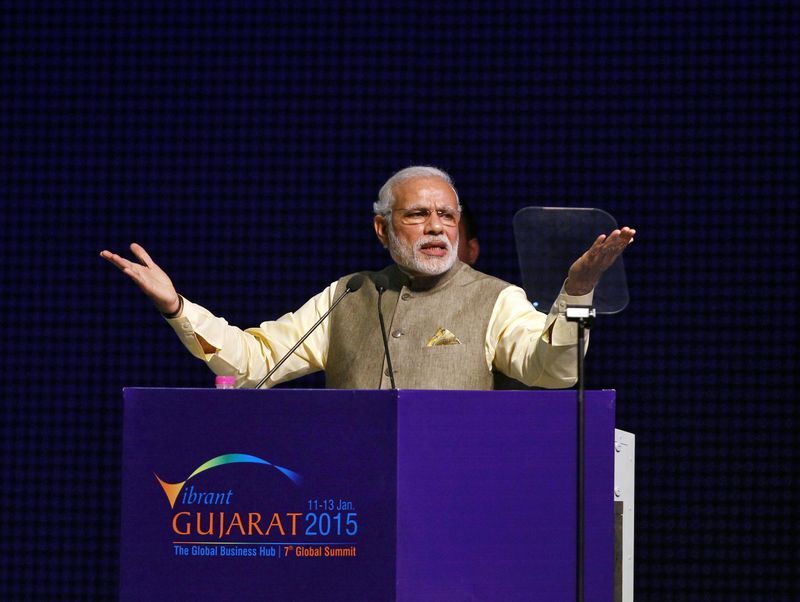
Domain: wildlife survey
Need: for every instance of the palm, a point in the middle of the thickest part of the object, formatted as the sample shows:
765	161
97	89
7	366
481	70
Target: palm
589	267
150	278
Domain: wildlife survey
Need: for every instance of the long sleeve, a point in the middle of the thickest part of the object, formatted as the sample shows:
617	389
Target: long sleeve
521	344
250	354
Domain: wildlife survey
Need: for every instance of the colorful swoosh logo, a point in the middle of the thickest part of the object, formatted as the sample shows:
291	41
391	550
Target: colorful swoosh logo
173	489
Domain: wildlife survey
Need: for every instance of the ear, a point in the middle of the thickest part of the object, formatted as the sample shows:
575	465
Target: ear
473	250
380	230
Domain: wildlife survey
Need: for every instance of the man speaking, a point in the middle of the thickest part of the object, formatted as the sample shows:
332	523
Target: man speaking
448	326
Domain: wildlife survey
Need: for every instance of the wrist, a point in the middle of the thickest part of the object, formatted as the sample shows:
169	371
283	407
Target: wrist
169	315
577	289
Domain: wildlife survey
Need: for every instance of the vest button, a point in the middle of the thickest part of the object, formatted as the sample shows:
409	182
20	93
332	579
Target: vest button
405	296
397	334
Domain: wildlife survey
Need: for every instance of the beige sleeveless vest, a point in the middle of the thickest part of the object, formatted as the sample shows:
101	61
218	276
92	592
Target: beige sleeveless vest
436	335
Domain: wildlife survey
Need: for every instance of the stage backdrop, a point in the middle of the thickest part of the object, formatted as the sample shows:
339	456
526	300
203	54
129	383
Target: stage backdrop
242	143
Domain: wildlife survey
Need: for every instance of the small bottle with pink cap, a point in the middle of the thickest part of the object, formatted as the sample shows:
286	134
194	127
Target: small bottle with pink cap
225	382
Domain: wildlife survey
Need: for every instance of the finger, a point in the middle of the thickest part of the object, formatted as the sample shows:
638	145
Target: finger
620	238
116	260
141	254
132	270
598	241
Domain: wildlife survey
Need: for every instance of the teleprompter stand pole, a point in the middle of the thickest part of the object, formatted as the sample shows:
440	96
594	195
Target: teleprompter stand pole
584	316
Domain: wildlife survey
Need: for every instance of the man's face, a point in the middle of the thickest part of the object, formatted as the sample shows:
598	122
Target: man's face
423	234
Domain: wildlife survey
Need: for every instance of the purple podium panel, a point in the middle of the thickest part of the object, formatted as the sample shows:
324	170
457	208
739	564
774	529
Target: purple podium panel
363	495
486	495
258	495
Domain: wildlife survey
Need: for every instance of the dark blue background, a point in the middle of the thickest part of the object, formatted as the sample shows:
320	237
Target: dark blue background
242	144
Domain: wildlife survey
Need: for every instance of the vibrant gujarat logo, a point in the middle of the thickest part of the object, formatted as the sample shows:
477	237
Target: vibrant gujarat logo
173	489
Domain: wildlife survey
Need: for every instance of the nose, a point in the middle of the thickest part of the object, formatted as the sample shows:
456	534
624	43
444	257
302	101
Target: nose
434	225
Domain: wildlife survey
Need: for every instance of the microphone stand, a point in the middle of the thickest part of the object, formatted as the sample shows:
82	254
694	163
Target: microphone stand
353	285
584	316
383	335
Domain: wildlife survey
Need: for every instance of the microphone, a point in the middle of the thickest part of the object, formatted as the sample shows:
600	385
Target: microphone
381	284
353	285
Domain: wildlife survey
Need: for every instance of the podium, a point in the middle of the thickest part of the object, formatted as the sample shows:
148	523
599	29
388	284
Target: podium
363	495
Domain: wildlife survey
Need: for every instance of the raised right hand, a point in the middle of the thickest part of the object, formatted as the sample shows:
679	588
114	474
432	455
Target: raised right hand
153	281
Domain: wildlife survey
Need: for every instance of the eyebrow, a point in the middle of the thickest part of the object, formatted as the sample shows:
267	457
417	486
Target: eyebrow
418	206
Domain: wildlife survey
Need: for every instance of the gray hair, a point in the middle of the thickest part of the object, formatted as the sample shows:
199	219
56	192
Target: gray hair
385	202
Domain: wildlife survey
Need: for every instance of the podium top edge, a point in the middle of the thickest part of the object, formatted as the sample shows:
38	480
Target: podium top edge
478	391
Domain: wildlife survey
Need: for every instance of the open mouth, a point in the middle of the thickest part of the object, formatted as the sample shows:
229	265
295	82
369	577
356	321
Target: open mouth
434	249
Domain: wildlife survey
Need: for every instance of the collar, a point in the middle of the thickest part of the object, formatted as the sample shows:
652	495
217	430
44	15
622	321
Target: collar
398	278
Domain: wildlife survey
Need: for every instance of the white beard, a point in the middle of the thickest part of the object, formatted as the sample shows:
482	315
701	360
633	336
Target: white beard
412	259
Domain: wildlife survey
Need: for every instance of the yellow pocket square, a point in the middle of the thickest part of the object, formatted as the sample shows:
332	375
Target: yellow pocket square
443	337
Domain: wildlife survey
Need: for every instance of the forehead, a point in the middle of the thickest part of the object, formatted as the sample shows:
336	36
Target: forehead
424	191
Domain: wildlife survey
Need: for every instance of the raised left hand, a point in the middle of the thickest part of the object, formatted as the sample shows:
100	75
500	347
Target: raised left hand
585	273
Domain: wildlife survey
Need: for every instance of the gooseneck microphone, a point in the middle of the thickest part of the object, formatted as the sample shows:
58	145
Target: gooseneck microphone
381	284
353	285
